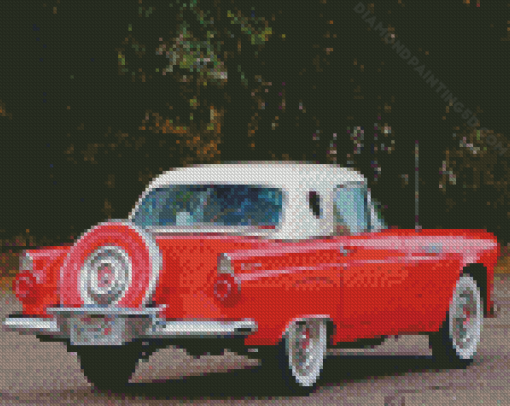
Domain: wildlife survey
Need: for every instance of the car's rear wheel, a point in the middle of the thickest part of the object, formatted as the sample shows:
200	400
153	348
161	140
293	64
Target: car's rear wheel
108	367
456	343
296	363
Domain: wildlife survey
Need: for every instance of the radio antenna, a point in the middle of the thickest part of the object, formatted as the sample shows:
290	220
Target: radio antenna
416	185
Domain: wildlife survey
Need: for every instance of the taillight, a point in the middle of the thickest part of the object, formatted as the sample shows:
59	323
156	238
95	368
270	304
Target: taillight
23	286
33	266
226	287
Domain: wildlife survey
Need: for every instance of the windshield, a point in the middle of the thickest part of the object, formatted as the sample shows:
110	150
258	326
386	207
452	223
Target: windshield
218	205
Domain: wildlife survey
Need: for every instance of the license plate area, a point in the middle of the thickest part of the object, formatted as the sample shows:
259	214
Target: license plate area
97	330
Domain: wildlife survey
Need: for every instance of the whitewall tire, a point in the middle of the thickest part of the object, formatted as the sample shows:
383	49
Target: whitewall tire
297	362
457	341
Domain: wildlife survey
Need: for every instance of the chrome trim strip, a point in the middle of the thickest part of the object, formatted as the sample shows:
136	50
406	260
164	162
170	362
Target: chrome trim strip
235	230
201	328
98	310
26	261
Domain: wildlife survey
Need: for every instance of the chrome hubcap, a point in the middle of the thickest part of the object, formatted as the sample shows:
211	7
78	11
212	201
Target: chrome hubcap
303	356
465	320
307	349
105	276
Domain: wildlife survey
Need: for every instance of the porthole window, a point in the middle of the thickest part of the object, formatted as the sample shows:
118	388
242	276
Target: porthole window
315	204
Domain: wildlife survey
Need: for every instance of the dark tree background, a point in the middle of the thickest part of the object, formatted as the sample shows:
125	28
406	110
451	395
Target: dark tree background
98	97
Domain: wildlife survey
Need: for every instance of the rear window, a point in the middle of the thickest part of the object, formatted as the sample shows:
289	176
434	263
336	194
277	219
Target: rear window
218	205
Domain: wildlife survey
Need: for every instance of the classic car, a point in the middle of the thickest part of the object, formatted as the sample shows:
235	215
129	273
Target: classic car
280	261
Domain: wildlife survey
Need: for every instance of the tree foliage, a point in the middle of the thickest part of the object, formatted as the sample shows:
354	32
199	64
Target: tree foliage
158	84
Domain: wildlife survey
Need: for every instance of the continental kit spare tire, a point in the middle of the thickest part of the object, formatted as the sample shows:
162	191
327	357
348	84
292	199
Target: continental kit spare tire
115	263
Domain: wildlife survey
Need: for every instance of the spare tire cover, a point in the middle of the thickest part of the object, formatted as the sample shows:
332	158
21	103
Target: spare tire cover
115	256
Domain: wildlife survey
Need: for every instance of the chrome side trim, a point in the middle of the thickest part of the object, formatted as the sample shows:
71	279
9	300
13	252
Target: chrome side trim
98	310
201	328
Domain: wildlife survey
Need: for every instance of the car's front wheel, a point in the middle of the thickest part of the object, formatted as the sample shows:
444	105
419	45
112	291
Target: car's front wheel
455	344
108	367
297	362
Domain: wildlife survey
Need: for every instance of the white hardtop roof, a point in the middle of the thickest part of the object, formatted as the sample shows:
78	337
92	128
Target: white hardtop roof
293	177
283	174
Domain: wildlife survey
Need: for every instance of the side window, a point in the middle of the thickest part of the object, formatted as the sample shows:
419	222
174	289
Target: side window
351	215
315	203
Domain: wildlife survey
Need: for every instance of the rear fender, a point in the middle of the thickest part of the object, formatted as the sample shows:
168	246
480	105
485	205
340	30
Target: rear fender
45	266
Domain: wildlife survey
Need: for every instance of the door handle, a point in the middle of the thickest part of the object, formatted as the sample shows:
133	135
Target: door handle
347	250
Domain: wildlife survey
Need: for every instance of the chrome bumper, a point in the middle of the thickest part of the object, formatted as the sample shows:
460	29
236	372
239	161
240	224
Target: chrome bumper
31	325
118	326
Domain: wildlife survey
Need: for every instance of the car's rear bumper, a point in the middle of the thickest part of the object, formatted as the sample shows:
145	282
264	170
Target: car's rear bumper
31	325
117	326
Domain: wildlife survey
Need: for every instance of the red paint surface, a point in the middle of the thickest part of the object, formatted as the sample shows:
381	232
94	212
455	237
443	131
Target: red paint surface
395	281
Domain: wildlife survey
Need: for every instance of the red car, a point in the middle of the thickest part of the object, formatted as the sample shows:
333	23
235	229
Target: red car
285	258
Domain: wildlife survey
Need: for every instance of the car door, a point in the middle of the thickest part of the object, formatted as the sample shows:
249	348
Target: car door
375	281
